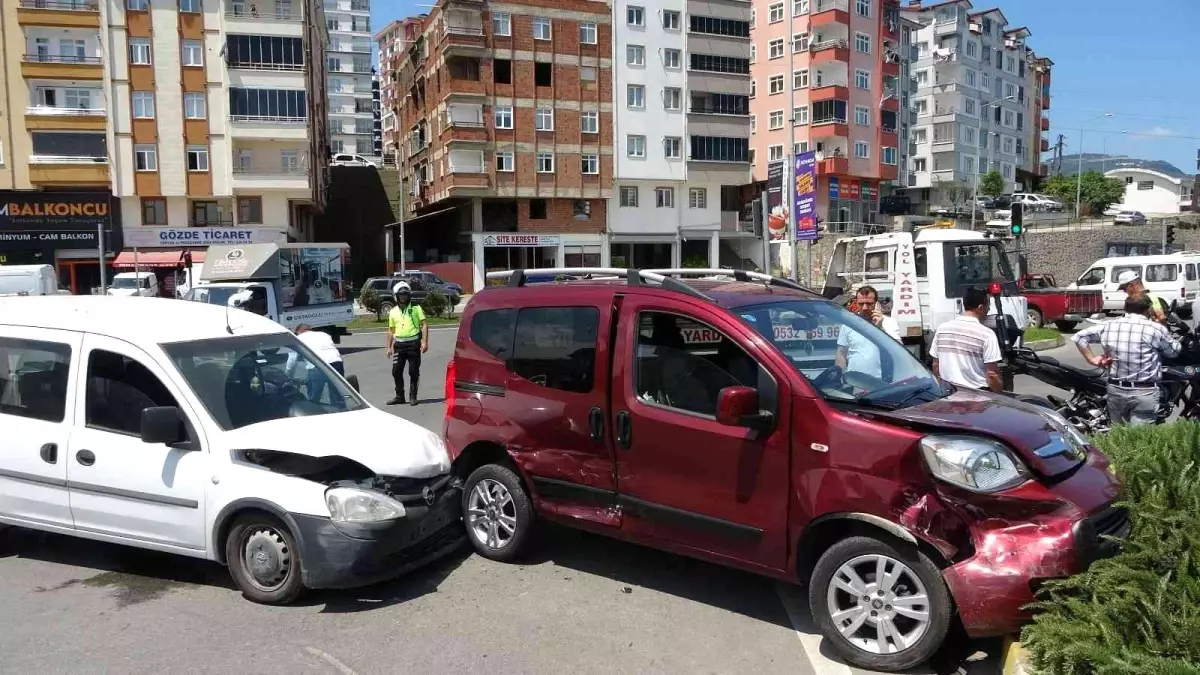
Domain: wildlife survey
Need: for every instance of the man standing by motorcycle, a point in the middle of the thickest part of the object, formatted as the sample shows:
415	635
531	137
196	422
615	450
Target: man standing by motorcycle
407	339
1134	347
1131	282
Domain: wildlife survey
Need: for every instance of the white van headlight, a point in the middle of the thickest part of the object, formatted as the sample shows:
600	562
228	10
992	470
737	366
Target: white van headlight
356	505
977	464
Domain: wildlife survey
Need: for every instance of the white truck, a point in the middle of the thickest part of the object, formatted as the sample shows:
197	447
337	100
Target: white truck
290	284
29	280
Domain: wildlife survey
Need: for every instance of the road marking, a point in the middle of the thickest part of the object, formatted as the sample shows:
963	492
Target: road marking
331	660
810	638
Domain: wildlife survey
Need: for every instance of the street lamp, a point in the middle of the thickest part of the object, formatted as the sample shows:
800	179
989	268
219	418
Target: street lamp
1079	171
975	192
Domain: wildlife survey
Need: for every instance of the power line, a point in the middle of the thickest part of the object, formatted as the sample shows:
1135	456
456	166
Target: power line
1055	90
1053	111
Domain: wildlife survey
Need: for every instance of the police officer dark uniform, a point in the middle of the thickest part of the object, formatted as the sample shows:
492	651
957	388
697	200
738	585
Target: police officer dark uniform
408	338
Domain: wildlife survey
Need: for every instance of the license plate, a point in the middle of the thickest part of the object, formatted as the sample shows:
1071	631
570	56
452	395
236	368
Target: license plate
788	334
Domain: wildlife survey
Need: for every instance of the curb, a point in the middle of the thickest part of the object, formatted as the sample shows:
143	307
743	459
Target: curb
1014	658
1043	345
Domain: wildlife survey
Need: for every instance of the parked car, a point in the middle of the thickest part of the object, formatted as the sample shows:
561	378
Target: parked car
1051	205
1064	307
384	285
143	284
346	159
429	279
710	418
211	433
1114	210
1129	218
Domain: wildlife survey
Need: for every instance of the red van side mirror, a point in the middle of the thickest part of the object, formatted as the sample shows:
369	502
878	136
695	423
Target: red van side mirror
736	404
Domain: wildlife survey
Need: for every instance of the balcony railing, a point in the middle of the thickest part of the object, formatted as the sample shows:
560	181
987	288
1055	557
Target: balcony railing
252	12
268	119
59	58
66	159
718	110
463	30
69	5
349	49
269	170
211	221
826	5
66	112
274	67
836	43
828	119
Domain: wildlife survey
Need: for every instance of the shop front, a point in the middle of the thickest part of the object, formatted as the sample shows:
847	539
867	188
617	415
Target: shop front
852	203
174	253
65	229
497	251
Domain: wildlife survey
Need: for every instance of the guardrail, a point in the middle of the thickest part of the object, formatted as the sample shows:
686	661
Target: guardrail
68	112
269	119
252	12
59	58
66	159
70	5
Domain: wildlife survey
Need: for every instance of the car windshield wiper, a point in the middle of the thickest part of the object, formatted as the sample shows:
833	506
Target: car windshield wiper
875	399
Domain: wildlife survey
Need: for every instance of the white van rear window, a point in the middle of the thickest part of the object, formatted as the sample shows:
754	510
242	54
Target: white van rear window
1162	272
1116	271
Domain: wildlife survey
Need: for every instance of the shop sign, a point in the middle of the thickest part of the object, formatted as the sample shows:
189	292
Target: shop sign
175	237
38	211
516	240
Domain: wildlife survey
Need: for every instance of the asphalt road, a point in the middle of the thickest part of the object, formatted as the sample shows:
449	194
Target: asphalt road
582	604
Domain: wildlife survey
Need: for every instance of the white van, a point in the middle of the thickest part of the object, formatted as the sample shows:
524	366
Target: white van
28	280
200	430
144	284
1172	277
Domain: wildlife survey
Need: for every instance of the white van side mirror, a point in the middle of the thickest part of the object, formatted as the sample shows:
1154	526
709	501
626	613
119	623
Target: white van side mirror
240	298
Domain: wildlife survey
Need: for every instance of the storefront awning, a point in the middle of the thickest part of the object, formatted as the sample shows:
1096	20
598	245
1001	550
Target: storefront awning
197	257
149	259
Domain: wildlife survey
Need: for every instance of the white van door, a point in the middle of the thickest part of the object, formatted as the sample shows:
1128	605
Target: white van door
1114	298
119	485
38	370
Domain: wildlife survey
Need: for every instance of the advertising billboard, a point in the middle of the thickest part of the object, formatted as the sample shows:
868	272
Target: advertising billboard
56	220
806	196
314	276
777	214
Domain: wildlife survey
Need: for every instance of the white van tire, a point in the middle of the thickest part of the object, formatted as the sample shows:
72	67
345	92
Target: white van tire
493	501
263	560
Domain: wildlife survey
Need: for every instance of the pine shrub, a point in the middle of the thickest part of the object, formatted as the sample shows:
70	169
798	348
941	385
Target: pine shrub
1139	612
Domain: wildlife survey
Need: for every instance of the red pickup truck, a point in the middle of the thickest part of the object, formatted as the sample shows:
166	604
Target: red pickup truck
1050	304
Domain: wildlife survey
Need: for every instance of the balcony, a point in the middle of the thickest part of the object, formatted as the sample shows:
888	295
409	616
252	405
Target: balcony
1045	100
825	12
269	67
54	118
836	50
57	67
466	182
828	127
250	175
463	40
1045	124
833	166
59	13
829	90
268	127
68	170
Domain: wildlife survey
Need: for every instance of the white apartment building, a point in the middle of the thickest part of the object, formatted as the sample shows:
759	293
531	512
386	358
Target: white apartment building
216	125
348	61
972	102
681	133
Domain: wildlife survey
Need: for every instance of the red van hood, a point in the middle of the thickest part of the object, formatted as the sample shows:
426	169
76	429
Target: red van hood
1020	425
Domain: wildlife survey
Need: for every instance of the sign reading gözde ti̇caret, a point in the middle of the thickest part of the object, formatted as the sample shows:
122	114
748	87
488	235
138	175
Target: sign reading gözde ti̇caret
54	220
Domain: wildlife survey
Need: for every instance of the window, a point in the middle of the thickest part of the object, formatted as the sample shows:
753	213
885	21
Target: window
800	79
143	105
753	53
118	390
799	7
862	150
664	198
799	42
1145	185
863	7
197	158
138	5
753	123
672	58
194	105
541	28
635	96
502	71
670	19
249	209
501	24
1007	145
673	98
775	119
683	364
189	6
555	347
697	198
1010	90
800	115
139	52
587	74
719	64
1190	270
629	196
753	87
1009	119
890	156
587	33
862	79
33	377
545	162
504	162
862	43
714	26
775	84
920	136
503	115
774	153
636	146
543	119
1168	272
775	49
1117	270
775	13
145	158
589	164
154	211
192	53
635	16
919	164
972	49
581	209
635	55
862	115
589	122
719	149
537	209
969	106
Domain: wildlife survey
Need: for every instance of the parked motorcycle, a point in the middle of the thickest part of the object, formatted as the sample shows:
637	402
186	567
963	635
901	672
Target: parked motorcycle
1087	407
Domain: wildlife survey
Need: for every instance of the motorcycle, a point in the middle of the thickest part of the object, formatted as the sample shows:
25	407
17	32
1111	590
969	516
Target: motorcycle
1087	407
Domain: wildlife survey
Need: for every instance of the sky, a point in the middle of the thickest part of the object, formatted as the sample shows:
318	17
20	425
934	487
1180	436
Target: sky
1130	60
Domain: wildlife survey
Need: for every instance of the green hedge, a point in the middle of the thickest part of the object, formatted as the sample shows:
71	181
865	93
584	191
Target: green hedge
1137	613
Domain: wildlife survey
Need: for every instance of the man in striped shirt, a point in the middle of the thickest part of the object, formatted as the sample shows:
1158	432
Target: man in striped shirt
966	353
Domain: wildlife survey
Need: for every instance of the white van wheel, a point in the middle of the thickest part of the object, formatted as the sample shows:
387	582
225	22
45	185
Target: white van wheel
263	560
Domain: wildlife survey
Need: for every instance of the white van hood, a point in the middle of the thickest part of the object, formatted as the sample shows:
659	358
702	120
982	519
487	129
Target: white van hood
385	444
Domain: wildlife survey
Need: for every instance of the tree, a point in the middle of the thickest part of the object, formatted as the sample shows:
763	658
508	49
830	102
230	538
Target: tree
1096	192
992	184
955	193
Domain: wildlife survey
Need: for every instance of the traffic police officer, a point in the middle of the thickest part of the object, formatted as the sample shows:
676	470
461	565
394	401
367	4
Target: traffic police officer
407	339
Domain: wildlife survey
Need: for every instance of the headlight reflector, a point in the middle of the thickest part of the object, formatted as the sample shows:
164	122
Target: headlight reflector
356	505
971	462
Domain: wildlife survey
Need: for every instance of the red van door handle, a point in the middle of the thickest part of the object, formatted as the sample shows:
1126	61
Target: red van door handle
596	424
624	430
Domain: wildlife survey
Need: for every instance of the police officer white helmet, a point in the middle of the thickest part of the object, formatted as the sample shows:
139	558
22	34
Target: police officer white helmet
401	287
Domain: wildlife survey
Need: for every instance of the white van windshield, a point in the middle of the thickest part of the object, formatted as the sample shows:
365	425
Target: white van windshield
127	282
259	378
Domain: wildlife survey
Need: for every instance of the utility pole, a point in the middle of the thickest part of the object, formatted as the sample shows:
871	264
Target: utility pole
1058	154
789	166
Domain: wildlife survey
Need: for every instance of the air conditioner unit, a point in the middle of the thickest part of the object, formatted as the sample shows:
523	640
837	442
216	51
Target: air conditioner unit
975	27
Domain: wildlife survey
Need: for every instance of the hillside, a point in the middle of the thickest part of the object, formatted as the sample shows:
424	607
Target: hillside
1097	162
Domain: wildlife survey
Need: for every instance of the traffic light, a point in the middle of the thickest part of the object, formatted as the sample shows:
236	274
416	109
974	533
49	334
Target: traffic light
1017	220
1169	238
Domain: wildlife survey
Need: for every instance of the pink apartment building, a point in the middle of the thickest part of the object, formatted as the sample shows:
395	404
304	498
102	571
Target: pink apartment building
845	73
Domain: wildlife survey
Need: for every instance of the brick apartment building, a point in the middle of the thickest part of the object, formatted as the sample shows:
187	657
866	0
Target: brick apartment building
507	110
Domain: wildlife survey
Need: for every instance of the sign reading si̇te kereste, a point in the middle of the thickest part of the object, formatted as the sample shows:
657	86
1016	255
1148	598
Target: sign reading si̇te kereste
510	240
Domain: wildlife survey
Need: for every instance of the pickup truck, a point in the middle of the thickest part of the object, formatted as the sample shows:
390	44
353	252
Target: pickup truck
1048	303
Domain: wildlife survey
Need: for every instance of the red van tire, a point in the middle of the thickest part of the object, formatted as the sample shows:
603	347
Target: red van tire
497	512
911	575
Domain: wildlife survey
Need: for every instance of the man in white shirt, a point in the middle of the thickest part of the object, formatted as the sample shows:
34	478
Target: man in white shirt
965	351
322	345
856	352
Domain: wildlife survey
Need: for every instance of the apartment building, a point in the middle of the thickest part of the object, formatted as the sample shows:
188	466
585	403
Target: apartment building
508	113
976	103
217	129
393	42
841	62
1037	81
350	91
681	87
